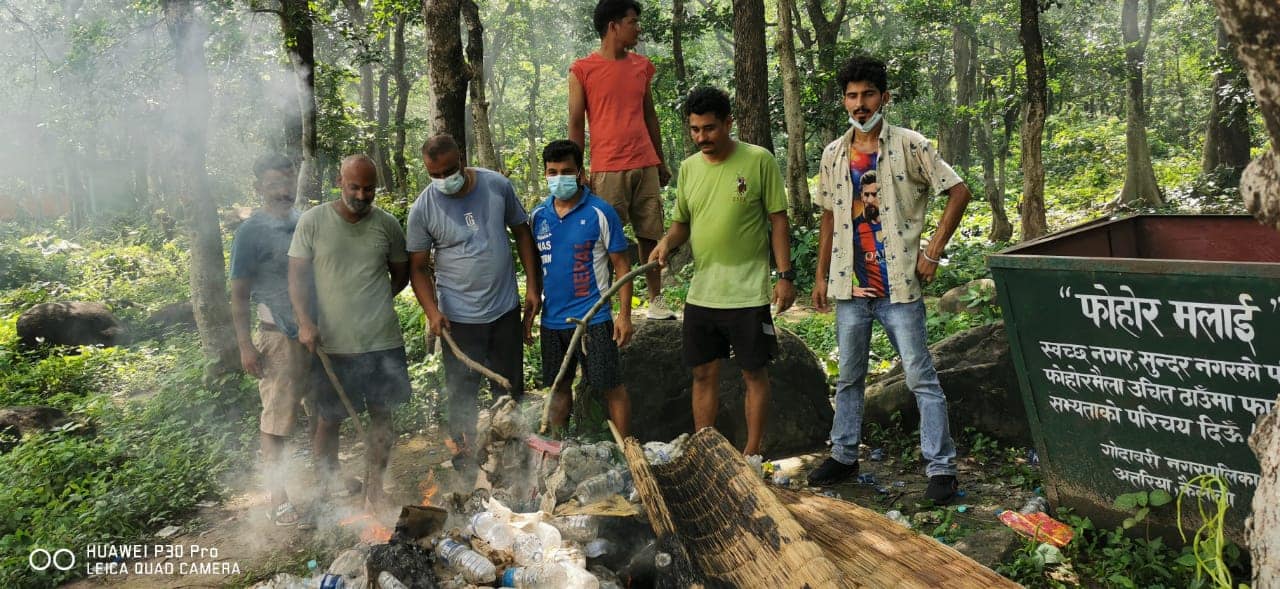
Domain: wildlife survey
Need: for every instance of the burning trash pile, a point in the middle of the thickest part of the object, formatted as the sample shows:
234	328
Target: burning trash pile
559	514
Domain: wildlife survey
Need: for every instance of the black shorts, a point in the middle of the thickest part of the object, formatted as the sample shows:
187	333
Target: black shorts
710	334
372	380
600	360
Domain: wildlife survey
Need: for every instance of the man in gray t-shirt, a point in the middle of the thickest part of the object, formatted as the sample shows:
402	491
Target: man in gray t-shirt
462	220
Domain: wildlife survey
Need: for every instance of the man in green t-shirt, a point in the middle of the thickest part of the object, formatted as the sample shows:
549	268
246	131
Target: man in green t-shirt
354	255
731	208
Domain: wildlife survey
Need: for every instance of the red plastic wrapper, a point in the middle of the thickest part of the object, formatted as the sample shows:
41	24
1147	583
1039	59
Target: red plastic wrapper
1039	527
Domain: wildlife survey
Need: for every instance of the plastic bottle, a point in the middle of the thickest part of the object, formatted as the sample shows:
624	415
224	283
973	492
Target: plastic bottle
549	535
389	581
1035	504
897	516
527	549
600	487
570	556
493	530
577	528
475	568
598	547
548	575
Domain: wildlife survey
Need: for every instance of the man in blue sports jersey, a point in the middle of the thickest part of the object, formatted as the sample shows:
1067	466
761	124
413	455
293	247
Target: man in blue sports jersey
579	236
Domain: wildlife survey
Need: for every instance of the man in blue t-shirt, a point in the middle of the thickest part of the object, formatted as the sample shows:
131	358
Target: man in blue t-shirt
458	251
579	236
259	274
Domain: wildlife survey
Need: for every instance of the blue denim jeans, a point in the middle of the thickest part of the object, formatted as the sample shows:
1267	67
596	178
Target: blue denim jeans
905	325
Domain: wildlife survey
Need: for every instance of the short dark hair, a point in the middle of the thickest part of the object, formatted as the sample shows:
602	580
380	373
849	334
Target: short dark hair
706	99
608	11
863	68
560	150
272	162
438	145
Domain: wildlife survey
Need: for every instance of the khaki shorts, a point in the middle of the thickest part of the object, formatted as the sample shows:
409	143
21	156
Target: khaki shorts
285	368
635	195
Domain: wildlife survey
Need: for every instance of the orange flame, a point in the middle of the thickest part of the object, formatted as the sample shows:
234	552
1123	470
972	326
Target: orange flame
371	532
429	487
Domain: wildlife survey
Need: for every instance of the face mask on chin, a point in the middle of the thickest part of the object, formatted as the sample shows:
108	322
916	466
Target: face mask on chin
450	184
871	123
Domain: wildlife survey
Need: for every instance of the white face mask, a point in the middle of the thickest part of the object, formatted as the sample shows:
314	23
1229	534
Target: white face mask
450	184
869	125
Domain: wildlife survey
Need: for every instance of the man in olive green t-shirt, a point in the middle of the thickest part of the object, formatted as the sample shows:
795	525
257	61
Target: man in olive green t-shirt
353	255
731	208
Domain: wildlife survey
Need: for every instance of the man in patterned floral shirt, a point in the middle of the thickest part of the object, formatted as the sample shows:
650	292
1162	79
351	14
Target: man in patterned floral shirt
874	186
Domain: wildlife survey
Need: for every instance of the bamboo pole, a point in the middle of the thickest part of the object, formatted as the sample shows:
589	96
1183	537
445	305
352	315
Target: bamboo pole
577	336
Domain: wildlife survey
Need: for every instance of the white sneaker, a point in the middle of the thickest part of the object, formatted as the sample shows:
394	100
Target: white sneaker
658	309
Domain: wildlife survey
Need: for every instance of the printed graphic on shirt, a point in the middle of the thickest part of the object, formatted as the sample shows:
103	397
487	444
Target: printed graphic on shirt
869	265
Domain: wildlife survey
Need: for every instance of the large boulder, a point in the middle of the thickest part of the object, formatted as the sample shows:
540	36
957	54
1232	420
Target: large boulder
977	374
957	299
178	316
71	324
660	387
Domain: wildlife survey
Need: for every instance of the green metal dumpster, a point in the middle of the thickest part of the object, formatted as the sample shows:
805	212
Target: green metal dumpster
1146	348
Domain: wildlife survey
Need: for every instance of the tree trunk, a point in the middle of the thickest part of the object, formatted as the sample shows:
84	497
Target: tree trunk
447	70
295	23
486	155
1001	229
403	86
1226	140
682	73
534	132
383	159
1253	26
1139	177
1033	113
208	282
751	74
797	164
965	66
826	35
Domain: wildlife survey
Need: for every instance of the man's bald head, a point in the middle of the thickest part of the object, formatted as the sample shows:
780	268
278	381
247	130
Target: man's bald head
358	179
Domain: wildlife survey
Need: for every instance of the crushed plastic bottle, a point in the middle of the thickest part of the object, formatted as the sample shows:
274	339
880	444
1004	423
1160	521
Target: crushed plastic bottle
598	547
493	530
877	454
601	486
474	567
897	517
389	581
867	478
756	462
543	576
577	528
1035	504
570	556
527	549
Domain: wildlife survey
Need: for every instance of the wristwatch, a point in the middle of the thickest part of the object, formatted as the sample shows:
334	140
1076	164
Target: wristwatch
788	275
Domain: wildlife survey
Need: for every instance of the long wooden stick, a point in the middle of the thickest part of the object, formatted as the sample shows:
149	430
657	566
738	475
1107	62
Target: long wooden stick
472	364
342	393
577	336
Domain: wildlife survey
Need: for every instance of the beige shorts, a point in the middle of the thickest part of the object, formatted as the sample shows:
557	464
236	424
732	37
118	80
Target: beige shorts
285	369
636	195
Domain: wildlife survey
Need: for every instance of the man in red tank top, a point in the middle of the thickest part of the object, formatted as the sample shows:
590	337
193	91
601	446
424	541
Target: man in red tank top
609	89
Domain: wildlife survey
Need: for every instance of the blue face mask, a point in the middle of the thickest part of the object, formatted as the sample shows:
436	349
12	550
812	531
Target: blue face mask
450	184
563	187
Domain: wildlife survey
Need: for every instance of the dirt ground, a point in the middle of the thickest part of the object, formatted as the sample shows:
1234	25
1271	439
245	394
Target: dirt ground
243	536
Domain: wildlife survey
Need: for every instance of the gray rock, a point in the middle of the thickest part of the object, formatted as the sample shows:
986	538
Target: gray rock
660	387
175	316
990	547
952	302
70	323
977	375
